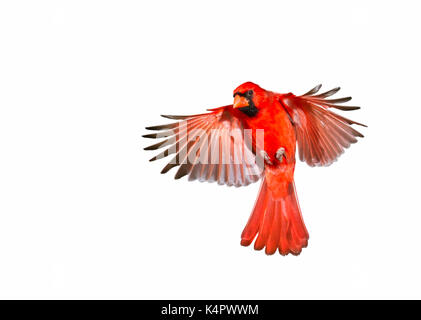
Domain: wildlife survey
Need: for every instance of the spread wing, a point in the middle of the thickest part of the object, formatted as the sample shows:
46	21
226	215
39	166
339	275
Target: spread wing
208	147
322	135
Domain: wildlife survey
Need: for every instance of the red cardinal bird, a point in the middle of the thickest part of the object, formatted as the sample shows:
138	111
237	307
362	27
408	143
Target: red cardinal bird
254	138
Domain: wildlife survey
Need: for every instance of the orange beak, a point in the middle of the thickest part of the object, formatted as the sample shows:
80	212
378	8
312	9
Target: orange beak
240	102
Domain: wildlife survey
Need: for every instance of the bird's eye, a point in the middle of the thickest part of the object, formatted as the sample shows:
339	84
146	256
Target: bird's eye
249	93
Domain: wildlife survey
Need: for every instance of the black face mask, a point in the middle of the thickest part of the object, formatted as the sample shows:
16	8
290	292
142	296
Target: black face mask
251	109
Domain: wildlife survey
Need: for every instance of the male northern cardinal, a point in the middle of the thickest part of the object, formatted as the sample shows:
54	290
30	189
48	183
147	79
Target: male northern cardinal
256	137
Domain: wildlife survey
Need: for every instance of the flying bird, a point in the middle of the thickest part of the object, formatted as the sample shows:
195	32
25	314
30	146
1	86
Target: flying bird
255	138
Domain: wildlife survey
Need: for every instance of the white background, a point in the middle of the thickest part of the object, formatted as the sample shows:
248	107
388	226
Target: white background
83	214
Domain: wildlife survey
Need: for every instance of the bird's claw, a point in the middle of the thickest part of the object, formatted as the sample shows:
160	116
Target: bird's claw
265	156
280	154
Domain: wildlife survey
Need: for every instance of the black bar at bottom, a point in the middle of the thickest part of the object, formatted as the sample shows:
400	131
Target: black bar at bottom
208	309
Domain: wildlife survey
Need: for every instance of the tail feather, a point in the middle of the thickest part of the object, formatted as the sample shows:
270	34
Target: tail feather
255	219
266	227
276	231
277	222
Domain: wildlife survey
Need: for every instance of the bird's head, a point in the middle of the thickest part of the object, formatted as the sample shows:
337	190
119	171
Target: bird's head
248	97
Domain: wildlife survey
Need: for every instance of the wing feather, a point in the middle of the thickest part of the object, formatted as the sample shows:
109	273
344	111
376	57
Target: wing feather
322	135
207	147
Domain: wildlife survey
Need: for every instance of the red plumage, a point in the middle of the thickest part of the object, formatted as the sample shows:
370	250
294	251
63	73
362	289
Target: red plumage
255	138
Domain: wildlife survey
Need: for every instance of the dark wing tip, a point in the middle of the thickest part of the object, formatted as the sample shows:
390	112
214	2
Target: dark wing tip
345	108
157	145
340	100
150	136
172	117
168	167
152	128
182	171
328	93
163	126
179	176
313	91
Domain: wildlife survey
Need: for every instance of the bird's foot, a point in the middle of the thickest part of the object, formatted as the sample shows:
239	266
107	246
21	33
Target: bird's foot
280	154
265	156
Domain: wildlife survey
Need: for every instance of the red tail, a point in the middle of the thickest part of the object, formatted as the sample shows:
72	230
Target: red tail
278	223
